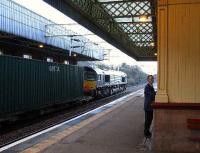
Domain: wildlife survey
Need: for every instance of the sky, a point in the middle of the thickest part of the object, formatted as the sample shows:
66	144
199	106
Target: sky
114	56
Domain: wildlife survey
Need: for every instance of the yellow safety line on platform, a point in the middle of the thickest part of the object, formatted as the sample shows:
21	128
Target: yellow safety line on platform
54	139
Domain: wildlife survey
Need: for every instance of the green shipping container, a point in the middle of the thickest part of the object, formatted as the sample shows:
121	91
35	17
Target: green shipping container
27	85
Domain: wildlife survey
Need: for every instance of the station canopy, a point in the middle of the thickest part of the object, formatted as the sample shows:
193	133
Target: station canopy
129	25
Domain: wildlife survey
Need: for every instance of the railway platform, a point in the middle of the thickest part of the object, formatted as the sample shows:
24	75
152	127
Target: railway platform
116	127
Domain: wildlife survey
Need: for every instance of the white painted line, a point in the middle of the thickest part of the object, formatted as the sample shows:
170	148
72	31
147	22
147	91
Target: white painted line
56	126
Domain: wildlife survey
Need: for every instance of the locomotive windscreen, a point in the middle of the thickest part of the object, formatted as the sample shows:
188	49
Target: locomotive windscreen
90	76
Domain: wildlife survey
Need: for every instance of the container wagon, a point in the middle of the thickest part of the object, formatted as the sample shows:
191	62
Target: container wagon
27	85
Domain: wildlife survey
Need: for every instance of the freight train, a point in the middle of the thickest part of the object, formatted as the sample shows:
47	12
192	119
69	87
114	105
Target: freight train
28	85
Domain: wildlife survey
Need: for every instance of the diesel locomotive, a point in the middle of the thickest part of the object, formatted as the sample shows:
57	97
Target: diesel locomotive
99	82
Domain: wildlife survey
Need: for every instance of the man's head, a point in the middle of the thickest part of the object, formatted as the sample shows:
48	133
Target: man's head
150	79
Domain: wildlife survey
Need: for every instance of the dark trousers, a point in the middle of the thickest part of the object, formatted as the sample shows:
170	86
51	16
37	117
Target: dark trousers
148	120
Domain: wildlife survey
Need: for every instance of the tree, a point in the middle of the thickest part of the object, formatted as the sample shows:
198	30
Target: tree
134	74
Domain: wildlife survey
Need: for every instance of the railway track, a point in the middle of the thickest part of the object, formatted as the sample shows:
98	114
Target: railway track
26	128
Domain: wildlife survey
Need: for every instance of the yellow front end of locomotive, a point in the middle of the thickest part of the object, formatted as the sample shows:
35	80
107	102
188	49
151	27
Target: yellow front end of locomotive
89	86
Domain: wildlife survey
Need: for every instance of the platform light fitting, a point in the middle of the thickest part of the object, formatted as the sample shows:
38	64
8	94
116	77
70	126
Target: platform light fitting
155	54
66	62
41	46
49	59
74	55
27	56
152	44
143	18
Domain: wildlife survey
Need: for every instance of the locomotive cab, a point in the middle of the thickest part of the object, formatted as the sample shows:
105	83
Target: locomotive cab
90	78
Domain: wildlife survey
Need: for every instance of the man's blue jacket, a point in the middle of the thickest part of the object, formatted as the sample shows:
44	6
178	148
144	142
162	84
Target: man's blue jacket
149	97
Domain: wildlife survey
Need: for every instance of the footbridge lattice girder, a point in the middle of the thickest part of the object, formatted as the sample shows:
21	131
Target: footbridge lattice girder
22	27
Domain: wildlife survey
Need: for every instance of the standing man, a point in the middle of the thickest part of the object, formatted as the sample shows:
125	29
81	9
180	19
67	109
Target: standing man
149	98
